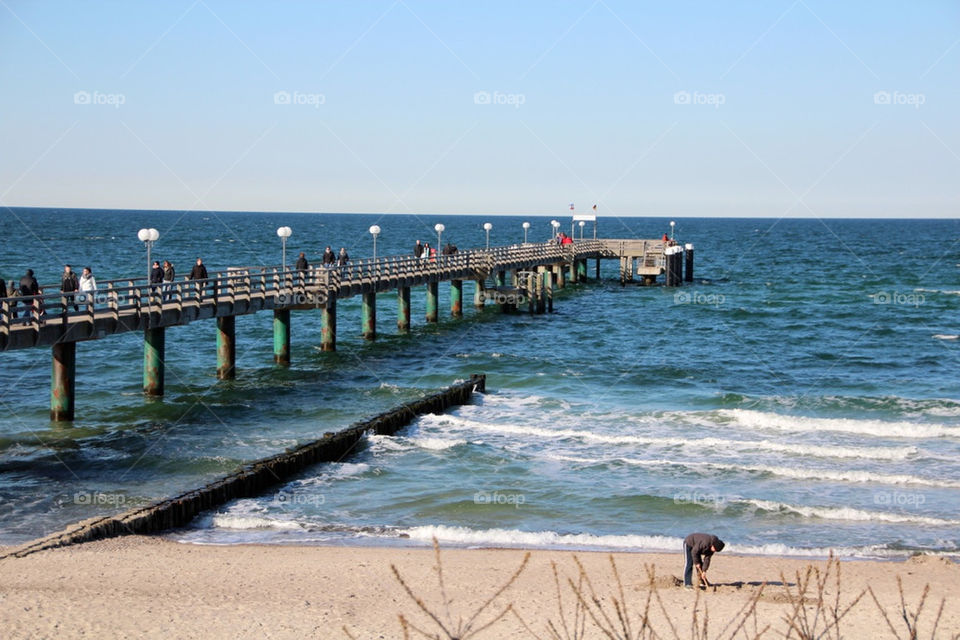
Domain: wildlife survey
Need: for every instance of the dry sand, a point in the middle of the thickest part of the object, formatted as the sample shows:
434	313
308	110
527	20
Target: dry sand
149	587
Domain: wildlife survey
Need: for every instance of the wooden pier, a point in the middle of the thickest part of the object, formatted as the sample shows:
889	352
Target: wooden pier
514	277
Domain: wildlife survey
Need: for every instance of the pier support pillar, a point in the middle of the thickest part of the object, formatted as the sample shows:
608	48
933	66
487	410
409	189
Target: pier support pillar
432	294
63	381
548	287
559	273
582	270
328	325
500	279
598	268
403	309
573	271
281	336
542	276
368	315
226	347
479	295
154	354
456	298
688	272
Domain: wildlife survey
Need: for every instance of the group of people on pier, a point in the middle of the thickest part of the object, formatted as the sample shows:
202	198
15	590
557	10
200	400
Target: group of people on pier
329	259
76	290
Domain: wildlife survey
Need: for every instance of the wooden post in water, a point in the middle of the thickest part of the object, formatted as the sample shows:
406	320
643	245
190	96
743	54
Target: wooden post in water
328	325
403	309
368	315
226	347
63	381
456	298
154	352
281	337
432	295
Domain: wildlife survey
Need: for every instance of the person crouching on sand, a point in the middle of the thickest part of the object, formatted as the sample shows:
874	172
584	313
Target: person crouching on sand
698	548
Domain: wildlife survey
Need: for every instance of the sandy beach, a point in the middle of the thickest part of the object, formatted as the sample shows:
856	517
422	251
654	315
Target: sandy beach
154	588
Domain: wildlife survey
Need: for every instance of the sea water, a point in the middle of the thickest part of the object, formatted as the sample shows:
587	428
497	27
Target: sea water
800	396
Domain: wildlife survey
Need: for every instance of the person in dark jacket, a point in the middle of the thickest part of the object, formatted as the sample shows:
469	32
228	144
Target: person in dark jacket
156	273
302	264
344	258
698	548
199	271
169	273
329	257
30	287
417	250
68	285
3	288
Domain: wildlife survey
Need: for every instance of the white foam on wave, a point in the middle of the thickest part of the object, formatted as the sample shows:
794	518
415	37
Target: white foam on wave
435	444
849	514
945	336
875	453
788	472
229	521
524	539
880	428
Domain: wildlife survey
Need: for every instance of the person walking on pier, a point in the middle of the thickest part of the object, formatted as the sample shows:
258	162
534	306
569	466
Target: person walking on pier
68	285
329	257
698	548
156	274
344	258
88	286
168	275
302	264
30	287
417	250
199	272
3	288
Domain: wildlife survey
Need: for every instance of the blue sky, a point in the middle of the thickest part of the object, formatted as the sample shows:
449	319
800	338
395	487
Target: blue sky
781	108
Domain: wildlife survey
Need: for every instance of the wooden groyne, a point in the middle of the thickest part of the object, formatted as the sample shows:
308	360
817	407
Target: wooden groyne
252	478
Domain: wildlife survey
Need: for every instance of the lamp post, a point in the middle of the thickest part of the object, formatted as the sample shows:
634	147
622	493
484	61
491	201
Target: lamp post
486	227
555	225
284	233
672	225
439	229
148	237
374	231
526	226
581	230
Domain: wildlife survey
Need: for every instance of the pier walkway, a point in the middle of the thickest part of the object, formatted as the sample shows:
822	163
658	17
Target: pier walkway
511	276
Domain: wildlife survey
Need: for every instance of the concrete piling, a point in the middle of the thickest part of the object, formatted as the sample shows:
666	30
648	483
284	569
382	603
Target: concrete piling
558	272
433	292
281	337
688	272
403	309
581	270
479	296
368	315
226	347
154	353
456	298
328	325
63	381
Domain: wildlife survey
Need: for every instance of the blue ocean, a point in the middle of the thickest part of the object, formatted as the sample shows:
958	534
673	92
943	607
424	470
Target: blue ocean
801	395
